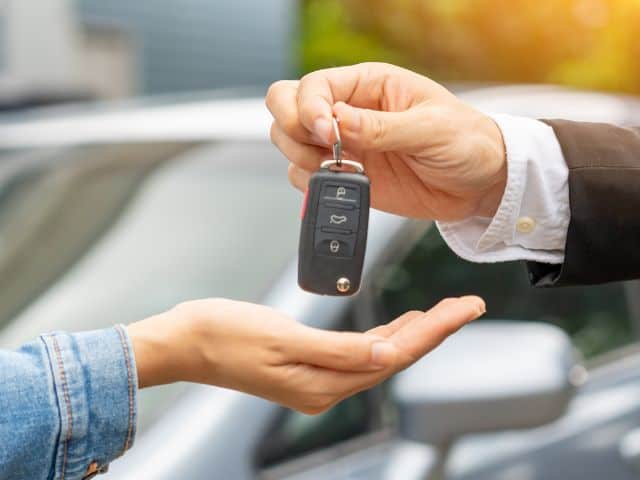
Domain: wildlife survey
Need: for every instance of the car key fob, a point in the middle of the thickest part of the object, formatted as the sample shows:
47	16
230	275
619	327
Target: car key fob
333	236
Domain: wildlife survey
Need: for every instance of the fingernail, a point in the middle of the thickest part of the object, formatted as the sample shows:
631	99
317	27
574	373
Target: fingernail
482	309
322	130
382	354
478	303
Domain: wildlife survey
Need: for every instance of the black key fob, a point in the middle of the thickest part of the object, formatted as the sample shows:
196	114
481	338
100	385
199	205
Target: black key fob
333	237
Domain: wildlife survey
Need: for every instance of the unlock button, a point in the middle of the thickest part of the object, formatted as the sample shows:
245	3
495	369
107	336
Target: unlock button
334	244
338	219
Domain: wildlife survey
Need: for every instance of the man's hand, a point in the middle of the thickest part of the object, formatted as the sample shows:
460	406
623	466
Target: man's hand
428	155
260	351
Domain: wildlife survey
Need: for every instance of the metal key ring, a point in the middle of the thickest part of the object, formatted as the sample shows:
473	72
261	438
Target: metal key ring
356	165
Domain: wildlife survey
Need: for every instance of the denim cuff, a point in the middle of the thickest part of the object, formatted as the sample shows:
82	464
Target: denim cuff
96	385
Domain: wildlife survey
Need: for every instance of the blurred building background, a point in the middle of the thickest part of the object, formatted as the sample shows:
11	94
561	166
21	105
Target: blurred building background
198	44
119	48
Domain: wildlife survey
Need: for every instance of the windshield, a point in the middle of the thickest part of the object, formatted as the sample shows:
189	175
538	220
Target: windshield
98	235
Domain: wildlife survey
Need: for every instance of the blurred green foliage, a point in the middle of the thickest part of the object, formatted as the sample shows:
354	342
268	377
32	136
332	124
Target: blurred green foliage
329	39
584	43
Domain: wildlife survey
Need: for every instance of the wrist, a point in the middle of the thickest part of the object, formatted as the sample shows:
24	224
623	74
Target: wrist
157	343
495	160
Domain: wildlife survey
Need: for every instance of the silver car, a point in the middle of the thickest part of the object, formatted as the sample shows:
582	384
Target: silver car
110	213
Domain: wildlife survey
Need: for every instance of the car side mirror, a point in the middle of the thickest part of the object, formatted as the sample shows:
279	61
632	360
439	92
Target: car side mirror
492	375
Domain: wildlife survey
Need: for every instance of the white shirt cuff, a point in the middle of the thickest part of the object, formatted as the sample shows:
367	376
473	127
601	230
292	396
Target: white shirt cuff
533	217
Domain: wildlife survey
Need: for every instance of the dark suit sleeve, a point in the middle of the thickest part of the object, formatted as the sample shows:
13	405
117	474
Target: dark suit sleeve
603	241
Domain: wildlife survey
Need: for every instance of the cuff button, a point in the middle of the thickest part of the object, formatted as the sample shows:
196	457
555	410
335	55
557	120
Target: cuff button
525	225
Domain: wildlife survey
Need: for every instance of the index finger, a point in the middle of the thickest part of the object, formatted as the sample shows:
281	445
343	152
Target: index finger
423	334
320	90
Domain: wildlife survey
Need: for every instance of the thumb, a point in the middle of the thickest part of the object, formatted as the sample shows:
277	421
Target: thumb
363	129
344	351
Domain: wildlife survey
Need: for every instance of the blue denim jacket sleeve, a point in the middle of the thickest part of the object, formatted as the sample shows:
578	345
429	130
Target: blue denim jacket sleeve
67	405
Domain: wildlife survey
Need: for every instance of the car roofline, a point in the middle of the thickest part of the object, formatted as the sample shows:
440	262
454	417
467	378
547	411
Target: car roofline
245	119
215	116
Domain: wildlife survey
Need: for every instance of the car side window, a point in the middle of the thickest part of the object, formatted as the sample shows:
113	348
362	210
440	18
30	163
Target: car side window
596	317
63	201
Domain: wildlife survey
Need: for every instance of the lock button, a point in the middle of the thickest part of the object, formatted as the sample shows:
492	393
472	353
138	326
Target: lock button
340	194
